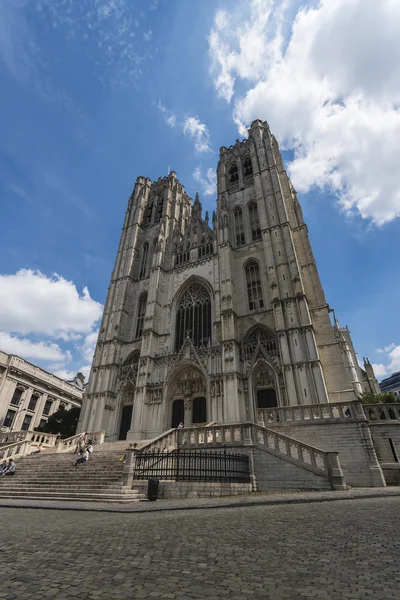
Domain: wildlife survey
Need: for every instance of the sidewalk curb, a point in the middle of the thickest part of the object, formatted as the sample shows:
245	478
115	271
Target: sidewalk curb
233	504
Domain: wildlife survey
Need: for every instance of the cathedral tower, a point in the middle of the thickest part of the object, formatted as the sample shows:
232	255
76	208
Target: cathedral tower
214	322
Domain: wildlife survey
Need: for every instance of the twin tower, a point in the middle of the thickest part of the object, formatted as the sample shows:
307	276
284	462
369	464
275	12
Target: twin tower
212	319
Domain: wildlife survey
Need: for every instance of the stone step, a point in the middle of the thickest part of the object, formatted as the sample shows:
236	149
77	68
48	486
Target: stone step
76	497
124	500
72	493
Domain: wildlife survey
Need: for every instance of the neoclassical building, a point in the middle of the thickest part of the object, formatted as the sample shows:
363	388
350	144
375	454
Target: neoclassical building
211	320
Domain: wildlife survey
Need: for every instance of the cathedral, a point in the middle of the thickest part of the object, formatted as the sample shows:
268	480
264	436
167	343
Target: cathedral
212	320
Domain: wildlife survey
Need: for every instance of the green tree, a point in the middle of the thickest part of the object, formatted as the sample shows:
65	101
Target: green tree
383	398
63	422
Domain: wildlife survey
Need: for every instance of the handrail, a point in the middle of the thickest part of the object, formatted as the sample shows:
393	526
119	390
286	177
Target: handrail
15	450
382	412
165	442
307	413
47	439
250	434
71	443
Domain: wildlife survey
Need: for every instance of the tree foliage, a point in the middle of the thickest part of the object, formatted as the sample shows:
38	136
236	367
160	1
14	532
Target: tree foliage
63	422
383	398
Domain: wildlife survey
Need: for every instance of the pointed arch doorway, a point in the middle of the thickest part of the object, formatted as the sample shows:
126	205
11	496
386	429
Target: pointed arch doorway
188	398
178	412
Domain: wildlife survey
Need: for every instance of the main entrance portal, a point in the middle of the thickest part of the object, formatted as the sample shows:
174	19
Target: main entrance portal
178	413
125	421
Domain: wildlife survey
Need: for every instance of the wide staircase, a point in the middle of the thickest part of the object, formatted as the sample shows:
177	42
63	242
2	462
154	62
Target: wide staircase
52	476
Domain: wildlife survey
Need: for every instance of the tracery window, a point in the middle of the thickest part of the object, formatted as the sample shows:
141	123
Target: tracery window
205	249
141	315
265	338
254	222
193	317
143	263
182	258
233	173
239	226
247	167
254	289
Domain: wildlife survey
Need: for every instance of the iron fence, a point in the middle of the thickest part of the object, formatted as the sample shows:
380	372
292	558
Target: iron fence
226	467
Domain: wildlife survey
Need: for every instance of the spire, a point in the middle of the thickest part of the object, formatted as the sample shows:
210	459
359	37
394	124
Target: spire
206	218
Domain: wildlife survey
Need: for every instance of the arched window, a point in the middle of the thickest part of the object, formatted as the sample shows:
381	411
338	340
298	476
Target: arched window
239	227
193	317
148	213
247	167
233	173
141	315
143	263
160	206
254	222
254	290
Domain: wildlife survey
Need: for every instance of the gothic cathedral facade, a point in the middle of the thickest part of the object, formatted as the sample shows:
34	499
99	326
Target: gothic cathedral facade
213	321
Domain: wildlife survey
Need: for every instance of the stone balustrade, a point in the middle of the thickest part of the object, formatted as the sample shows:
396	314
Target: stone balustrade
16	450
309	457
166	442
306	413
70	444
382	412
36	437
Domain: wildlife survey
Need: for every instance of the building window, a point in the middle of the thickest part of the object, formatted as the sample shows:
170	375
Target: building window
193	317
8	421
147	214
62	406
205	249
254	290
254	222
247	167
33	402
47	407
141	315
239	226
182	258
26	423
160	206
42	422
233	173
16	399
143	263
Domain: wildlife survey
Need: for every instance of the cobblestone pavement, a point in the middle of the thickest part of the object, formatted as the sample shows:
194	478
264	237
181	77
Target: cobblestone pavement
330	550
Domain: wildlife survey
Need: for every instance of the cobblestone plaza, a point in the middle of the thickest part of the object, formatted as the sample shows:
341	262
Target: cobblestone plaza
328	550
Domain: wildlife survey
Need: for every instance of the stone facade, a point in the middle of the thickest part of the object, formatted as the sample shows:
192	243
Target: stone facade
29	394
207	321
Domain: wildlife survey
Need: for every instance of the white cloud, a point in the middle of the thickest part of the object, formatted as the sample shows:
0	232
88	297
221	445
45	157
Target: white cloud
208	183
89	345
33	303
26	348
392	359
198	131
327	79
170	117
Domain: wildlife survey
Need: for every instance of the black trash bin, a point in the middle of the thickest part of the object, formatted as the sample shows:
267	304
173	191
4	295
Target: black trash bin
152	489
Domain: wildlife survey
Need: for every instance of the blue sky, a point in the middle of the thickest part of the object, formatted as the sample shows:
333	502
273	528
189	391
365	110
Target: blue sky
95	93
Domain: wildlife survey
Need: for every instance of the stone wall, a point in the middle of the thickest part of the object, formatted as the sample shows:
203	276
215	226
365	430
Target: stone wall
352	440
381	434
195	489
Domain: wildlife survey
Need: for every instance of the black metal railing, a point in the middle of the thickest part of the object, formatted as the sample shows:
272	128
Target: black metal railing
226	467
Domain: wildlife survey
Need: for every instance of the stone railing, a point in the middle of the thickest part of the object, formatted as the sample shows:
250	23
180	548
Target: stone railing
382	412
16	450
247	434
70	444
307	413
36	437
166	442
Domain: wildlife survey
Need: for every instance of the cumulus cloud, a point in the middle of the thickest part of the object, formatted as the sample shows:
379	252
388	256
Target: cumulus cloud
26	348
208	182
199	133
34	303
391	356
327	79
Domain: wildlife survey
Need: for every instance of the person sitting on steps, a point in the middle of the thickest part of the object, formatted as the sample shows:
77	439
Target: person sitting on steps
3	466
84	458
38	450
10	469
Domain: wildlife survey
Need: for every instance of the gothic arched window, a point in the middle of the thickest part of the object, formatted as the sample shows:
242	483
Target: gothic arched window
254	289
254	222
148	214
239	226
141	315
193	317
247	167
233	173
143	262
160	206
